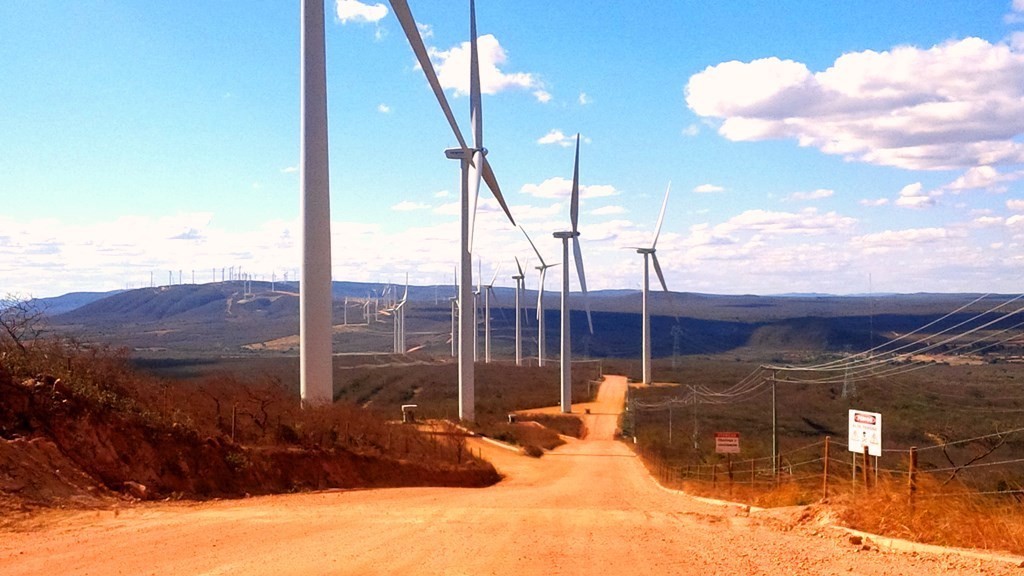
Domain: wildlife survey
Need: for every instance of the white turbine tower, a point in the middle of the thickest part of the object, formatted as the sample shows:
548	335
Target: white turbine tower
315	379
650	255
519	278
475	166
543	270
574	234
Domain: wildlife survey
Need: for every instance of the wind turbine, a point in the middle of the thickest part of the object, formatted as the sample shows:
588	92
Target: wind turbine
574	234
519	278
543	269
315	378
488	290
399	320
475	166
650	255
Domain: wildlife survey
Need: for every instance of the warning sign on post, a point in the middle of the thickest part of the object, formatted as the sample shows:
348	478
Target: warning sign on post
727	442
866	430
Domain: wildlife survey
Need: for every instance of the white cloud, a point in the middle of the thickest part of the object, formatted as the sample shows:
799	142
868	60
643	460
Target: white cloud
691	130
875	202
818	194
708	189
956	105
1015	205
452	68
608	211
289	170
409	206
442	194
1016	14
557	137
355	11
912	197
584	99
902	239
559	187
426	31
383	108
983	178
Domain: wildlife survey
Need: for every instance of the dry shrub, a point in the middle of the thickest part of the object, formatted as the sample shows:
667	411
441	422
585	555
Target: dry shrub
564	424
951	515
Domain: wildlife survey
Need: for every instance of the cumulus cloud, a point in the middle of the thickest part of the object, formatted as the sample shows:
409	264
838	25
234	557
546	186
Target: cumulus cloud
911	196
355	11
557	137
708	189
874	203
958	104
409	206
608	211
452	68
982	178
1015	205
691	130
818	194
383	108
902	239
584	99
559	187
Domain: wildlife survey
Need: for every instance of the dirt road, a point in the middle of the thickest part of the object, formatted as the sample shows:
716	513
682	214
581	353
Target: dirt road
589	507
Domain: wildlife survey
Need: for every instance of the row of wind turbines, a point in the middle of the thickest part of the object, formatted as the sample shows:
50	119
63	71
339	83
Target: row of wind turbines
315	289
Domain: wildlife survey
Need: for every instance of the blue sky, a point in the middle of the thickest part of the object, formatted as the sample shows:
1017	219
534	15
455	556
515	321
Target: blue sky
810	146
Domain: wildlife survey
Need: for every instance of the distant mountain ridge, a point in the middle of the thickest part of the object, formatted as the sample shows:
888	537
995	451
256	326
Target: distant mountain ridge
222	317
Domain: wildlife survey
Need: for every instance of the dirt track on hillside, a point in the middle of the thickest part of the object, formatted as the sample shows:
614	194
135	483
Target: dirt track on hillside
588	507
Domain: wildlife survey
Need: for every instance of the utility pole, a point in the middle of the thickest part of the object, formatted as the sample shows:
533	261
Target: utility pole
775	440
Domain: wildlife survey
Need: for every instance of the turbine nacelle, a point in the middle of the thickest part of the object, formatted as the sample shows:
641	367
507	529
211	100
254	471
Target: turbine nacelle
464	153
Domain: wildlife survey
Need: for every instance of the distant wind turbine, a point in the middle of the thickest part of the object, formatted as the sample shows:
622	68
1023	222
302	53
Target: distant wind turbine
574	234
315	378
543	269
475	166
650	255
519	278
488	291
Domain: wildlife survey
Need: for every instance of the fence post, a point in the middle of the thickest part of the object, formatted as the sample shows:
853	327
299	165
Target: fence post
730	474
824	480
867	469
912	473
714	474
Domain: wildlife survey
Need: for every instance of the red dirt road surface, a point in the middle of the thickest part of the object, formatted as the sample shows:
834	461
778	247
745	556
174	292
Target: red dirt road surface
588	507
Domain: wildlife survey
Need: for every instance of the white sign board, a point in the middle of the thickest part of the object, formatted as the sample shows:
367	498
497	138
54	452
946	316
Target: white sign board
727	442
866	430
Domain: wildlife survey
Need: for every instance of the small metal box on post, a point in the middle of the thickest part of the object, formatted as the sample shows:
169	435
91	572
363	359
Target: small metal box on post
409	413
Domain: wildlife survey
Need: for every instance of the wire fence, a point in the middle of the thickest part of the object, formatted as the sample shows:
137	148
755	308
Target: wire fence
826	468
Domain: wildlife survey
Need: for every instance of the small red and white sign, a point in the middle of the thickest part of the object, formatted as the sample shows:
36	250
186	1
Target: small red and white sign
866	431
727	442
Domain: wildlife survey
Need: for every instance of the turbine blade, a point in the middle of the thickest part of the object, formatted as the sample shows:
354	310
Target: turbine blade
578	256
540	291
474	195
492	183
495	277
657	268
661	218
475	104
405	18
574	205
519	266
532	245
